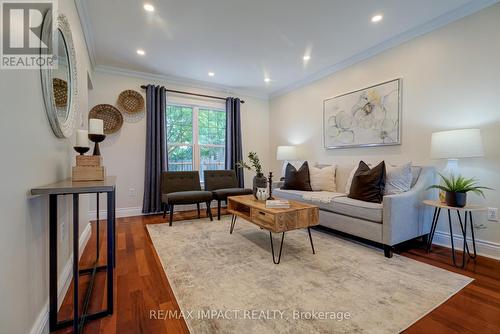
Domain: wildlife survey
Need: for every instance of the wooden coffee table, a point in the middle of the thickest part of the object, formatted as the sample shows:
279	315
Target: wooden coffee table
299	215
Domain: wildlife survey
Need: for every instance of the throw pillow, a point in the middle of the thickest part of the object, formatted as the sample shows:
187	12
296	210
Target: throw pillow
297	179
323	179
349	179
368	184
398	179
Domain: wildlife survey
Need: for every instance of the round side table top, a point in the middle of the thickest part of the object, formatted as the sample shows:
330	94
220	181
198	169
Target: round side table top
470	207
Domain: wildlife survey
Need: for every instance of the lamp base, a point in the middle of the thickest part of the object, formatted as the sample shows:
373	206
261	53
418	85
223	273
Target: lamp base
452	167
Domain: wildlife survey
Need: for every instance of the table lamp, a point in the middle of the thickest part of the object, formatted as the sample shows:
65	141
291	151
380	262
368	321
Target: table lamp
285	154
455	144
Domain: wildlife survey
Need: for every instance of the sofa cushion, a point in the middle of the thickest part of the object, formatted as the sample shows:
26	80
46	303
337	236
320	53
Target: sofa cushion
368	183
415	174
187	197
340	204
295	195
297	179
358	209
351	175
323	178
399	179
224	193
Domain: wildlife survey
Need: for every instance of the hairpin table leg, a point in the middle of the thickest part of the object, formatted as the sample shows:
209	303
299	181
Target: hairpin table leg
272	247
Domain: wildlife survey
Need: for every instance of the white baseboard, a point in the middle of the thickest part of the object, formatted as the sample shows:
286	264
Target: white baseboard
137	211
483	247
41	324
120	213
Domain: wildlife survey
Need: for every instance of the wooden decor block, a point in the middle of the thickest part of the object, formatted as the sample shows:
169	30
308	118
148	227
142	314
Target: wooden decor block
88	173
88	160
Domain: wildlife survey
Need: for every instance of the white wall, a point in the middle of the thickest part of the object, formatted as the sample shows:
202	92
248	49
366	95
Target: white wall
451	80
124	152
32	156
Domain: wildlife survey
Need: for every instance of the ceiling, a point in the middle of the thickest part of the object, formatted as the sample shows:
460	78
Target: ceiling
244	41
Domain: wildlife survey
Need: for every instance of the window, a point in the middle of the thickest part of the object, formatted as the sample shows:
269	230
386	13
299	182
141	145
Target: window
196	138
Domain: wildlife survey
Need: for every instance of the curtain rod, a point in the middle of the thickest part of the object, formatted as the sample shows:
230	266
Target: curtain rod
187	93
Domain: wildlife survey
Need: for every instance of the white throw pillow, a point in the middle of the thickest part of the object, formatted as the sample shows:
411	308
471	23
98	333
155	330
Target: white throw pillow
398	179
323	179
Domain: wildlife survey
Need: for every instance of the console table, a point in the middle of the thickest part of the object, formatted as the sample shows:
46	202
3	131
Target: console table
68	187
467	211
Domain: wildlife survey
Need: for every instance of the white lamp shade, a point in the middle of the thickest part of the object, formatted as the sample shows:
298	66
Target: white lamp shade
456	144
286	153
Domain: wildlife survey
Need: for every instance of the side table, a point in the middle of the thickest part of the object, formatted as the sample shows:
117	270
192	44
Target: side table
467	215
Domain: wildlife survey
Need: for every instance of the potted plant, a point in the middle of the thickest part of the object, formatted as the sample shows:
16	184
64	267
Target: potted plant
456	189
259	180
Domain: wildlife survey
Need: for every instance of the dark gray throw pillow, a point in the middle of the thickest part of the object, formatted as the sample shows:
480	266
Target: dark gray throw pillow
368	184
297	179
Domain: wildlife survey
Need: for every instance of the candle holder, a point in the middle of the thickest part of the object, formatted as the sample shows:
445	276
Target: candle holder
96	139
82	150
270	181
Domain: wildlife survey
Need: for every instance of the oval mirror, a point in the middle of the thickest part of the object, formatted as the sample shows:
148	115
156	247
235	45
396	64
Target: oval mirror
59	82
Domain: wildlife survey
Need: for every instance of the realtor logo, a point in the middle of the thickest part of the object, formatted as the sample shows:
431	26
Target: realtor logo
27	34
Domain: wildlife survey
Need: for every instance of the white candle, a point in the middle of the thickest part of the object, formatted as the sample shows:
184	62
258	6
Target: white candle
82	138
96	126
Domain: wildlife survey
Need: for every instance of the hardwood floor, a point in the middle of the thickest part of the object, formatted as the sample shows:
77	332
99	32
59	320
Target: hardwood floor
141	286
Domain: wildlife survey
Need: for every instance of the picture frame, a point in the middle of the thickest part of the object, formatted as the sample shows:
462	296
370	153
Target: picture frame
366	117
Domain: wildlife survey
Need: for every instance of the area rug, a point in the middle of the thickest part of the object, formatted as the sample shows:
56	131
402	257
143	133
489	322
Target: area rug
227	283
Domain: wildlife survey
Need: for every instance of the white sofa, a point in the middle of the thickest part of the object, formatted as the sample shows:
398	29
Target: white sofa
397	219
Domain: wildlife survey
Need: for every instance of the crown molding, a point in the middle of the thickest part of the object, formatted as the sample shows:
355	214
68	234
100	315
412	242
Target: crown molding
81	9
445	19
461	12
181	81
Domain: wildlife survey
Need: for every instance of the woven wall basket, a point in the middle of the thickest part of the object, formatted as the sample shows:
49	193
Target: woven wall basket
111	116
60	92
130	101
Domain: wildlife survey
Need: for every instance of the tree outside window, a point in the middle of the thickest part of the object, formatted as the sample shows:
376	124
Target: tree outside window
195	138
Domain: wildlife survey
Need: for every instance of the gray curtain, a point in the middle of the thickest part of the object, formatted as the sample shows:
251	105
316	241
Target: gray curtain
234	151
156	157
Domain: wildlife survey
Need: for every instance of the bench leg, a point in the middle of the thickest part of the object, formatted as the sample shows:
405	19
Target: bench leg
165	210
209	211
218	209
171	215
198	207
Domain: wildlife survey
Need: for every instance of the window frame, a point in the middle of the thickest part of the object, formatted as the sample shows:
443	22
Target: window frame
195	145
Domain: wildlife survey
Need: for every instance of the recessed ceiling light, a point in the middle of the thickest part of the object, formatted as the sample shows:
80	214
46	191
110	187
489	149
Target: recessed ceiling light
306	58
377	18
211	74
267	79
148	7
141	52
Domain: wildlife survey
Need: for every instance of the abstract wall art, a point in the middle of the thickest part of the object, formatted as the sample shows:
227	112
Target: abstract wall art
366	117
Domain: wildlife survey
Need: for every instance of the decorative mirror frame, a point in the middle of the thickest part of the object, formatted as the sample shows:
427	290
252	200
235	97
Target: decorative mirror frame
62	129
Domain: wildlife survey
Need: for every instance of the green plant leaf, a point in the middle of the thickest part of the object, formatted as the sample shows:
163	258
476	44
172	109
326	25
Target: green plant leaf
460	184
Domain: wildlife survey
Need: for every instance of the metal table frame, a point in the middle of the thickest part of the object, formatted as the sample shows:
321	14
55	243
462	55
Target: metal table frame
467	218
74	189
278	260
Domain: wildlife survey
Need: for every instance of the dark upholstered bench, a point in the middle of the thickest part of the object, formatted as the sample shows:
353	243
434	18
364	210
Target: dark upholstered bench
222	184
179	188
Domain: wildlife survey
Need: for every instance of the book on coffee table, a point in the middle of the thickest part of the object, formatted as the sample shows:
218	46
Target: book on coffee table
277	204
